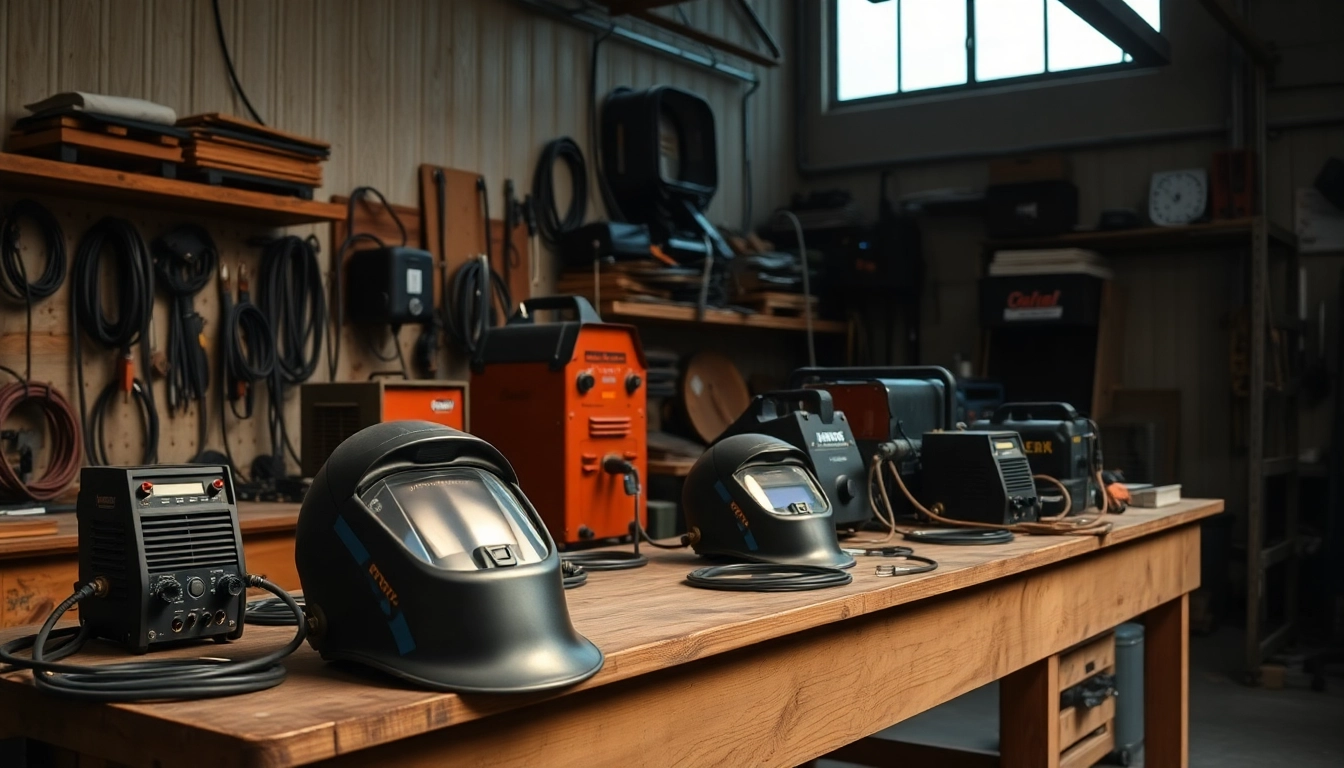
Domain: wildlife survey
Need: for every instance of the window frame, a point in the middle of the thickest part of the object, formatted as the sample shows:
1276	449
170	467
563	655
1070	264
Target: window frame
971	85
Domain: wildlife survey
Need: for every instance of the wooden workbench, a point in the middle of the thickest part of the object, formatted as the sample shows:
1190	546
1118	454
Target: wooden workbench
710	678
37	572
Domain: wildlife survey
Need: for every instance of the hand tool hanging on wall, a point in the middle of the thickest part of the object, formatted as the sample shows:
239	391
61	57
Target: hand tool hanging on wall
133	276
185	259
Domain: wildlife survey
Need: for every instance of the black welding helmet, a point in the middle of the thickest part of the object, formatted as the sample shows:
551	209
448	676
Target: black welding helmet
754	497
420	556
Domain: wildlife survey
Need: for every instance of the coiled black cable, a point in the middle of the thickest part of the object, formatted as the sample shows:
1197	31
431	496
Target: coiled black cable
14	273
605	559
474	289
247	348
549	221
767	577
185	260
133	277
573	574
290	295
165	679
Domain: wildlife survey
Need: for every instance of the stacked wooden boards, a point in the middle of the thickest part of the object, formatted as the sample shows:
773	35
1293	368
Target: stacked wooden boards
89	139
225	149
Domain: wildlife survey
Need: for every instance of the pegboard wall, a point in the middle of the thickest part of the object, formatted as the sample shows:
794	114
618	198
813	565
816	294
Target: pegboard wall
52	351
471	84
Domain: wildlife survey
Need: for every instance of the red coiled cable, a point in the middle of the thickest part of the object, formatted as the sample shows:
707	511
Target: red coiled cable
66	446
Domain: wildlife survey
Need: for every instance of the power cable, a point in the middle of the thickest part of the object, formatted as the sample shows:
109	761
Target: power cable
807	284
164	679
14	273
64	432
767	577
133	278
273	611
247	350
185	260
552	225
228	63
291	298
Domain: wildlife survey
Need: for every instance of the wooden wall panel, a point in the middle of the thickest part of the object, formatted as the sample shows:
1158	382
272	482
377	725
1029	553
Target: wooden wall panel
471	84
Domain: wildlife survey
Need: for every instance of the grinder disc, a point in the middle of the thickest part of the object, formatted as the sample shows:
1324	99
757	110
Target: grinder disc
713	394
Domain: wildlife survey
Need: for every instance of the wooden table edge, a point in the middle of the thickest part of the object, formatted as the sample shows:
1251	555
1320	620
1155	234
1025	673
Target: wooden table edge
700	645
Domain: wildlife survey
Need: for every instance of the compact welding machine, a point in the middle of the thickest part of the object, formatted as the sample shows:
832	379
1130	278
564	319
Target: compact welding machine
558	398
332	412
1058	442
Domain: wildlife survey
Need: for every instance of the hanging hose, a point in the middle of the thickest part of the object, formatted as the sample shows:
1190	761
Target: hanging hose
133	277
185	260
64	433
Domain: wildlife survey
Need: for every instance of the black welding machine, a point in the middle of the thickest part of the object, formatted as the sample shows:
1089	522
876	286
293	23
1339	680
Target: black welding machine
1059	443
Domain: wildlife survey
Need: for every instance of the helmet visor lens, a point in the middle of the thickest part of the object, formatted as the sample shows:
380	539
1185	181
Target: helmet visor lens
783	489
460	519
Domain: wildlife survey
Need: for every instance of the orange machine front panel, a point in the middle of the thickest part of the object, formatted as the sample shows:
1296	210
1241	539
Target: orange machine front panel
607	419
441	405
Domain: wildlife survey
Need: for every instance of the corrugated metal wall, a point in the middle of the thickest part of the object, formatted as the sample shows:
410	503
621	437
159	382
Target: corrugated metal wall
471	84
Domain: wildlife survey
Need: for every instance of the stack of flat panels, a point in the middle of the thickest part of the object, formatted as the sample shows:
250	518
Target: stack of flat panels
223	149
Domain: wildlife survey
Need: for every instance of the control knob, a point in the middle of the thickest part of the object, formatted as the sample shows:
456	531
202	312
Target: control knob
585	382
169	590
230	586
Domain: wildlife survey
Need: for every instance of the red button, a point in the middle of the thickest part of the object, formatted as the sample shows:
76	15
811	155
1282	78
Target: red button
146	488
218	484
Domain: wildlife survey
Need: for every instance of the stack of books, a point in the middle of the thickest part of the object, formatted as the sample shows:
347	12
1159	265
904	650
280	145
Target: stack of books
1051	261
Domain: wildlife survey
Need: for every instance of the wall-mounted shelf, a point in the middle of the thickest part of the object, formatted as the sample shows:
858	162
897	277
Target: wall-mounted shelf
89	183
1209	234
634	311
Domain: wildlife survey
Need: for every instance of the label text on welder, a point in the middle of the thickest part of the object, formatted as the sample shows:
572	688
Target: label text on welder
1038	446
595	356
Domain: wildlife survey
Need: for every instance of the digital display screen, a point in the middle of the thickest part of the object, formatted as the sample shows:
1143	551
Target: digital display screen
179	489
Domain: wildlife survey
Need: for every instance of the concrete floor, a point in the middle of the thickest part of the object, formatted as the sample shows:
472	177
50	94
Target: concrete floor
1231	725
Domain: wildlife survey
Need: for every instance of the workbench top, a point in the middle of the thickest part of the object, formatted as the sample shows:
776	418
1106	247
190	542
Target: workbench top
644	620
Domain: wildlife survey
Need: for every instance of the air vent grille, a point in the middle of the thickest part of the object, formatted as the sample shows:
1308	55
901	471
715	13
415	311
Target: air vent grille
1017	477
108	557
333	424
188	540
608	426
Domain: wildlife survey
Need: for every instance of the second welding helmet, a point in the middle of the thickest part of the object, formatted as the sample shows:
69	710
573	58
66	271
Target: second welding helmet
755	498
420	556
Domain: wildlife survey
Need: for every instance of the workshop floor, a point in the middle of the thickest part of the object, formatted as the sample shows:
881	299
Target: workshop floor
1231	725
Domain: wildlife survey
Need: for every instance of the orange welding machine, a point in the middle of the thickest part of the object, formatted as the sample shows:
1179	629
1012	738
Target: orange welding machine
331	412
558	398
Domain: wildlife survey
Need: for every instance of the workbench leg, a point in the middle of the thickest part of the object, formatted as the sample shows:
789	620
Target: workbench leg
1029	716
1166	683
